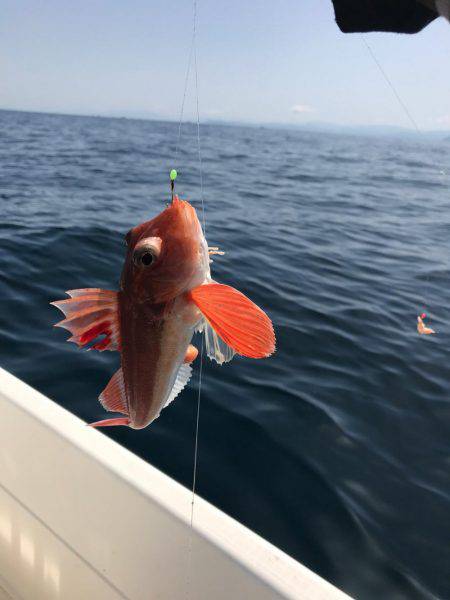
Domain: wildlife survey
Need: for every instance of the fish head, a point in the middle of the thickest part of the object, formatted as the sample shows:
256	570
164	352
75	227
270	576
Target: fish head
166	256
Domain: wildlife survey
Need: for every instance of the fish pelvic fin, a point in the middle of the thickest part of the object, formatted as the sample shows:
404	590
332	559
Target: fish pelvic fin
91	313
181	380
113	397
111	422
238	321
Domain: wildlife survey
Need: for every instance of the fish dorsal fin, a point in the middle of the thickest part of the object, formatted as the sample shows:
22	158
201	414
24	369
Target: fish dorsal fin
113	397
90	313
240	323
216	348
183	376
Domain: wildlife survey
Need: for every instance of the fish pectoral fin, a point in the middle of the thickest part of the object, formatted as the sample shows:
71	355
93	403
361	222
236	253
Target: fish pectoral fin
91	313
183	376
113	397
240	323
111	422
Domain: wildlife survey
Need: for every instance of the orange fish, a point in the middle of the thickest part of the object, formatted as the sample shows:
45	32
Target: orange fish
166	294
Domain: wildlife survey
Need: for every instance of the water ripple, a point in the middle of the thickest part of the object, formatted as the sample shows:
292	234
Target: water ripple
337	448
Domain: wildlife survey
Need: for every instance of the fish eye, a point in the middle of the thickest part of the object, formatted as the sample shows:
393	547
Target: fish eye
147	252
145	257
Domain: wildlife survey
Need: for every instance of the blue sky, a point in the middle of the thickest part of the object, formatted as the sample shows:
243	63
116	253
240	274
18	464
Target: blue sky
282	61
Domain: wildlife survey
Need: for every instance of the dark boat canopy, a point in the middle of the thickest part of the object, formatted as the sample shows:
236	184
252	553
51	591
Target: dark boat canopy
400	16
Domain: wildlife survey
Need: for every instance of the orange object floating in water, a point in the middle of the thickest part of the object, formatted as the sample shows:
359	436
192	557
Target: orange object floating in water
422	329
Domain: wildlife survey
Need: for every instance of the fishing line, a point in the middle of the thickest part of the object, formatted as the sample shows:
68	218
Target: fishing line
405	110
197	422
198	119
173	176
199	150
391	85
186	80
394	91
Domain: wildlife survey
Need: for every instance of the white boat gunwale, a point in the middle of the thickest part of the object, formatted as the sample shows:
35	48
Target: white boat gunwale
43	442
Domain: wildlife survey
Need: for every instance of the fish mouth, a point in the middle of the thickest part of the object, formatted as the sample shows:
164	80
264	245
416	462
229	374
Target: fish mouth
183	205
187	213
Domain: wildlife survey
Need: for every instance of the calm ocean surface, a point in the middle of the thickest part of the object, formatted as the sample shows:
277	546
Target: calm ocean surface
337	449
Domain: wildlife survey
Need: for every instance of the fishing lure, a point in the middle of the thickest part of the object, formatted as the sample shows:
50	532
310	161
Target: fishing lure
421	327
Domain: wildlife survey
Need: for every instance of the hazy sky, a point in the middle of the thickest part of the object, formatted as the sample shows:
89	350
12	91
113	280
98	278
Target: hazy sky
264	61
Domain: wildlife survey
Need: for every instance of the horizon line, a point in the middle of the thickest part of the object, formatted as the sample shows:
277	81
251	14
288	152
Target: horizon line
318	126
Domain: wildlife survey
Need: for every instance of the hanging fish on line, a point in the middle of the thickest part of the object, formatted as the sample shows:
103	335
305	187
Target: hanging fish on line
166	294
421	327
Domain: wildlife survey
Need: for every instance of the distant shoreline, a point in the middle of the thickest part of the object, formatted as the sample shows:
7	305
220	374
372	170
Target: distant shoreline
311	127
